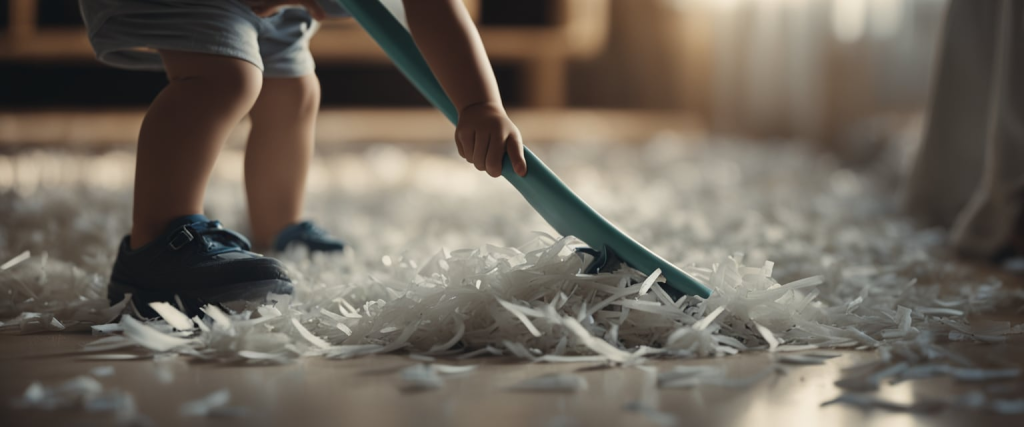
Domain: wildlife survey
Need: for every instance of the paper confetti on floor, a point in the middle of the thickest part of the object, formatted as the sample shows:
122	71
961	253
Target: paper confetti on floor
800	252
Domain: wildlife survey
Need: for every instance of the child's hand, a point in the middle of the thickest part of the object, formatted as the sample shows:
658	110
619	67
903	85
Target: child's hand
266	8
484	134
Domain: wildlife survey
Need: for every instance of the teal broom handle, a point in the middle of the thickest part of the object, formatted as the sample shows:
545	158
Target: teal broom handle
549	196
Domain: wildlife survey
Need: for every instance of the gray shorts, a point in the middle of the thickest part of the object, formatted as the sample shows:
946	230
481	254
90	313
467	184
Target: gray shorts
128	33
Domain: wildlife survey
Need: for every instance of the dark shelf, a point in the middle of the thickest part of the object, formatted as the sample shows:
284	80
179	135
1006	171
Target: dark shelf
4	14
518	12
59	13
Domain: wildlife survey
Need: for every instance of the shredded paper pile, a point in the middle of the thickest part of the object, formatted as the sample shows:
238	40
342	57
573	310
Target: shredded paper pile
801	253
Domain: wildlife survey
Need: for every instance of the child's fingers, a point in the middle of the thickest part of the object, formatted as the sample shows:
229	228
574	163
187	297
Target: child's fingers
495	154
464	138
516	153
459	144
483	140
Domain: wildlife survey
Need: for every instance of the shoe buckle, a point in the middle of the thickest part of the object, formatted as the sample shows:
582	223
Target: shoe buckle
181	238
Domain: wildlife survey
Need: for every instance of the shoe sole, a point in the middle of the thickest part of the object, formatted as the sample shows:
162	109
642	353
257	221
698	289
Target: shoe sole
191	301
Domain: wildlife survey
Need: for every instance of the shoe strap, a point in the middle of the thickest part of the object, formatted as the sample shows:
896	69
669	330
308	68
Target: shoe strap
181	238
189	232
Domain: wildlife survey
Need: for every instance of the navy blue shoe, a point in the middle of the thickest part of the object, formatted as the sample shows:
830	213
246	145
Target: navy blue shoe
198	261
312	237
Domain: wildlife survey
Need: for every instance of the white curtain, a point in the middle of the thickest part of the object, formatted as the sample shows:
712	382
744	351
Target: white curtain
812	68
806	68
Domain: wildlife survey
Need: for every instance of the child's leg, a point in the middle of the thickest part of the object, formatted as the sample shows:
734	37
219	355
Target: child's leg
182	134
278	156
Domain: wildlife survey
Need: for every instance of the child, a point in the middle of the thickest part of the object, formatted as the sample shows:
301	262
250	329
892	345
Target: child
226	59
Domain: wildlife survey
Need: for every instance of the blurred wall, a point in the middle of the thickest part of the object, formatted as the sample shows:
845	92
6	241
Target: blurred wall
806	68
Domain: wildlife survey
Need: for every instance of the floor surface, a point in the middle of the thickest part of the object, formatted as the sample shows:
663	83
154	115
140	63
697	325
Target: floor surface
367	392
696	202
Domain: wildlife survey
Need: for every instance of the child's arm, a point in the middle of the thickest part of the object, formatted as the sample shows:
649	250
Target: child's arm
445	34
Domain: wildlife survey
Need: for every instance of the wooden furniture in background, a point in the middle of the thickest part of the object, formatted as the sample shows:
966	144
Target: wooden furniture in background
576	29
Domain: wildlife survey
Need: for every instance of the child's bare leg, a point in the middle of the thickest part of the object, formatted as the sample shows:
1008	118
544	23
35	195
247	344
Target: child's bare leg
278	156
182	134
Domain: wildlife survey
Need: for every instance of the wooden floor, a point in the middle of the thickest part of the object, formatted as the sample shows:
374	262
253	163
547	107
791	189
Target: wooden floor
121	127
366	391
